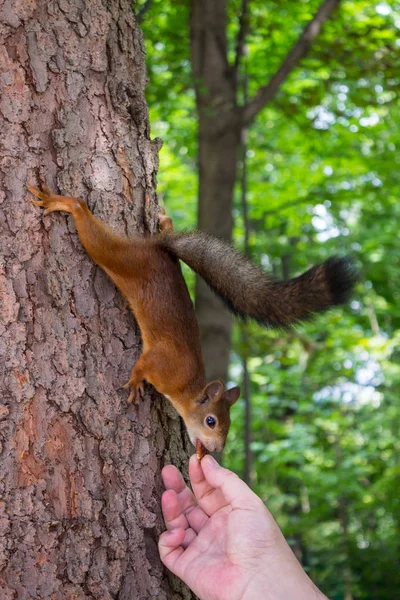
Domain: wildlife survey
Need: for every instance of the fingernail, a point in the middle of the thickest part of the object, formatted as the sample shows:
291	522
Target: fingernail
210	460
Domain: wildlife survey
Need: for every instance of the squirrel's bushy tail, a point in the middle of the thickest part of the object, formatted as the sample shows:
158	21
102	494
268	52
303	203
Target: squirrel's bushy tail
250	292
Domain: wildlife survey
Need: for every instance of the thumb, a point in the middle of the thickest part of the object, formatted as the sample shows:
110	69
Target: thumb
233	488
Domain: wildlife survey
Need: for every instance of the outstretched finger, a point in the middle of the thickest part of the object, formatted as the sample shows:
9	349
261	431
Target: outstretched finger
173	479
179	505
208	496
174	516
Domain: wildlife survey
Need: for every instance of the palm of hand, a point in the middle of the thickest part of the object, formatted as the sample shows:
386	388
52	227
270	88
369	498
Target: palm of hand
215	543
218	560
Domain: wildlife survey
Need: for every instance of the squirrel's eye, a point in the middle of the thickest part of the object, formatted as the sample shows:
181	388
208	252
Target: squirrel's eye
211	422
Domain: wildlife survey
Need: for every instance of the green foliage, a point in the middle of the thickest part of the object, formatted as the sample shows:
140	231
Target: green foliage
324	178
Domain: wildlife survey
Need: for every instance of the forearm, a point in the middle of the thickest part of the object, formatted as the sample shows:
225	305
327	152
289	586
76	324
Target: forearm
282	589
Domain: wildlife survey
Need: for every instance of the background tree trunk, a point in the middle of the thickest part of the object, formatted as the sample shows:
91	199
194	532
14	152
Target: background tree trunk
217	163
219	139
80	477
221	120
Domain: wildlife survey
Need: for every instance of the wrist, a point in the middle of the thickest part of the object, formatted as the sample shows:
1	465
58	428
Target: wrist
281	577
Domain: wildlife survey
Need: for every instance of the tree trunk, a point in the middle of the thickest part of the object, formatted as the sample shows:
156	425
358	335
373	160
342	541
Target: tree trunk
221	119
219	139
244	333
343	515
217	162
80	477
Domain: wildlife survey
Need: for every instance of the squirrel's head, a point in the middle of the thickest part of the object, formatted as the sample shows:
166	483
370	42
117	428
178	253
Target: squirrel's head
208	419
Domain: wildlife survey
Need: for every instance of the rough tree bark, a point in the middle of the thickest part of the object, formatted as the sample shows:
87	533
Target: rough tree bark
80	477
221	120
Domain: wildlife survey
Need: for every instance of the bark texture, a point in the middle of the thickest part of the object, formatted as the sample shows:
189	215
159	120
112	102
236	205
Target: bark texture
80	480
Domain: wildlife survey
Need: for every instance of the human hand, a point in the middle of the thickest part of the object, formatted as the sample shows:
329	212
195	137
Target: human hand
222	541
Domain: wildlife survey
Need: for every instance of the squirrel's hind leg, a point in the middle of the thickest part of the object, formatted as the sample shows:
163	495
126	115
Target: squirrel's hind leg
112	252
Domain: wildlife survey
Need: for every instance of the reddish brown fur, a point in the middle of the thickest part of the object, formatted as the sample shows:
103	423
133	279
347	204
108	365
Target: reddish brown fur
148	273
151	279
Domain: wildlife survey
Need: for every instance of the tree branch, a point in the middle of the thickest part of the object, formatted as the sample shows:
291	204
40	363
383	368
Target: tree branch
286	205
143	10
267	92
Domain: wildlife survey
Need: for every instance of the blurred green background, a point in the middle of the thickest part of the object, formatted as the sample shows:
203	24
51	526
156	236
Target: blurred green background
323	177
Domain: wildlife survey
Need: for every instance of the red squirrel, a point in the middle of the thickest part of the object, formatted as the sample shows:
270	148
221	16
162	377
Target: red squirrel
148	273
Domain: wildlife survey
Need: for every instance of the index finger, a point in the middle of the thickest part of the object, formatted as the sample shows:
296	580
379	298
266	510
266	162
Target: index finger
208	496
179	505
172	478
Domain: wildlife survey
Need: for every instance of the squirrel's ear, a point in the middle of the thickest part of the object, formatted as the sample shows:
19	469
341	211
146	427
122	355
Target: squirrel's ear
214	390
232	395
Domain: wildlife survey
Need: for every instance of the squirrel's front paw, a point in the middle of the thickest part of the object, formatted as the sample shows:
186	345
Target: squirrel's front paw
137	391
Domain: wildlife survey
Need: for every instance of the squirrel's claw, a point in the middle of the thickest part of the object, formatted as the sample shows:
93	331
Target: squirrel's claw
46	189
137	392
44	199
39	194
